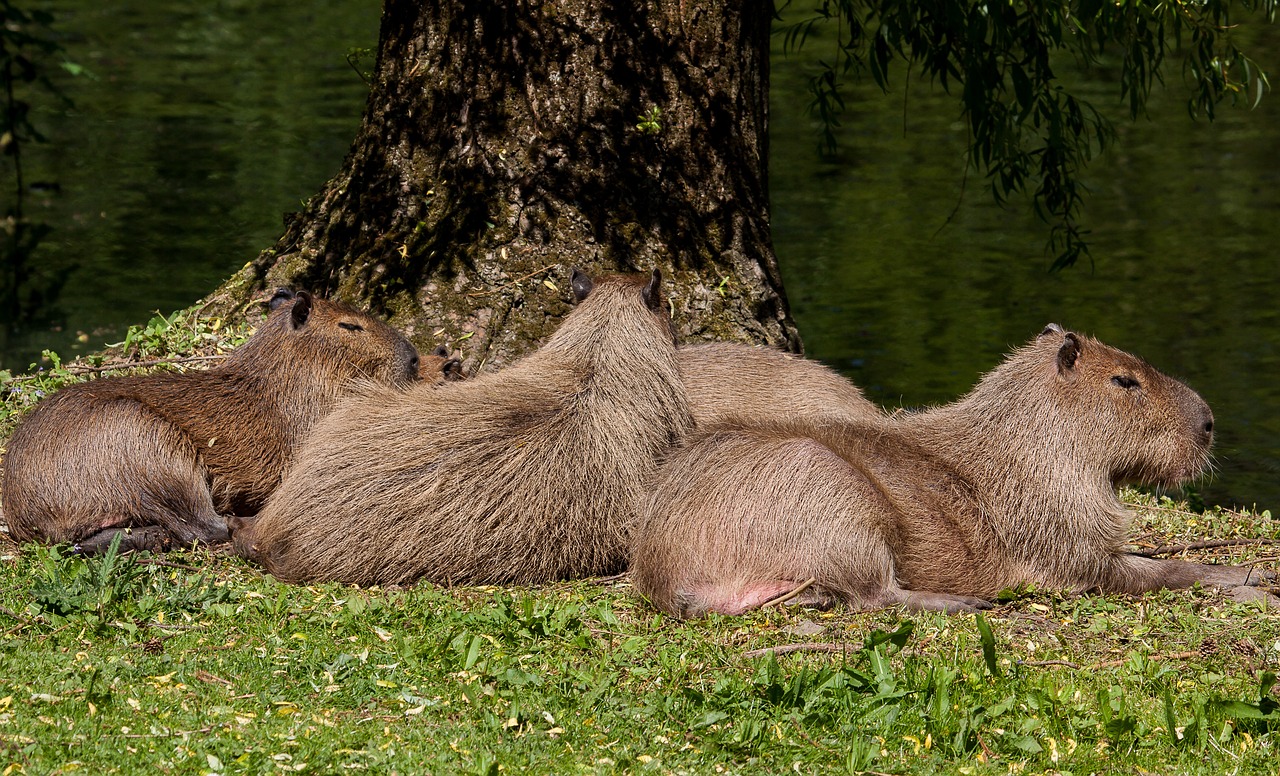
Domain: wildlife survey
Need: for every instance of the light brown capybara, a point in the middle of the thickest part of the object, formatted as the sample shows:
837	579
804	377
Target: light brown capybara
161	459
728	381
525	475
941	509
440	366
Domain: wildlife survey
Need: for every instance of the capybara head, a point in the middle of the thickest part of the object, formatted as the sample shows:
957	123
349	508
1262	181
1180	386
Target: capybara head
650	293
1111	408
334	337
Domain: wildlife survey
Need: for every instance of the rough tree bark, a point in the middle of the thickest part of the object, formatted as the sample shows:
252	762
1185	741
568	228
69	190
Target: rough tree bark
504	145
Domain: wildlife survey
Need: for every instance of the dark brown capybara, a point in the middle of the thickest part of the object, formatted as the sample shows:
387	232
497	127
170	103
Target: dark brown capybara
1012	484
727	381
525	475
161	459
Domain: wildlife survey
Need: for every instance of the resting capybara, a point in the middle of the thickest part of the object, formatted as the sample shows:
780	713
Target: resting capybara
1012	484
439	366
728	381
161	458
529	474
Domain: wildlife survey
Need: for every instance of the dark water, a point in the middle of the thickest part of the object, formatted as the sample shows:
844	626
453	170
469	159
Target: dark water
199	126
207	121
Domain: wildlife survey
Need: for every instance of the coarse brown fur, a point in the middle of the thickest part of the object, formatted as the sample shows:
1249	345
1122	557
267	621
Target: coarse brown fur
730	382
530	474
161	458
1012	484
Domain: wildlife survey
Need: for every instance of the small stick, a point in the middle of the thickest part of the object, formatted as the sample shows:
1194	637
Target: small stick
168	734
508	284
809	646
611	578
985	749
1174	549
782	599
1066	663
6	611
1174	656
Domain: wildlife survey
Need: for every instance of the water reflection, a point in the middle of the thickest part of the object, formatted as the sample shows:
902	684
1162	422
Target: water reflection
199	125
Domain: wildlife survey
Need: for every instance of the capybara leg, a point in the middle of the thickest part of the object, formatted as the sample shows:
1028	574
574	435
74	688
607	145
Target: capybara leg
147	537
738	599
920	600
1245	594
1136	574
244	537
208	527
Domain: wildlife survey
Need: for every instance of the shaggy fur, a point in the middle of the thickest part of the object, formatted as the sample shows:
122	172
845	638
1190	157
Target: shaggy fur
731	382
530	474
161	458
1012	484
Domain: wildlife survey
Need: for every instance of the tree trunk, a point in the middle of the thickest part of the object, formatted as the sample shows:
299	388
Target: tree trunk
502	147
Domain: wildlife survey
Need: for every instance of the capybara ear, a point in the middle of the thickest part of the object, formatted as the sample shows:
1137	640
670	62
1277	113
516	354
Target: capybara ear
277	299
1068	353
1051	328
652	293
441	350
582	284
301	310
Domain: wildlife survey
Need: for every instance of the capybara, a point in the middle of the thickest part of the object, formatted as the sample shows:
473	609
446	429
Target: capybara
529	474
439	366
728	381
162	458
941	509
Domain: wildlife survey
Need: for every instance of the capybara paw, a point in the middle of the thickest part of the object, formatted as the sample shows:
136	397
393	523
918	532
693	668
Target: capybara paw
1235	576
944	602
1243	594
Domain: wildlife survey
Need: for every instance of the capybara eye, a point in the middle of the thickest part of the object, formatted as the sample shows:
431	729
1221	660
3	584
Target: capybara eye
1124	381
350	326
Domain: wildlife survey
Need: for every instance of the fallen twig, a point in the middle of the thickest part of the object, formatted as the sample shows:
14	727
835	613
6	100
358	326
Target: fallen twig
205	676
1064	663
610	578
1122	661
809	646
782	599
511	283
11	614
168	734
1174	549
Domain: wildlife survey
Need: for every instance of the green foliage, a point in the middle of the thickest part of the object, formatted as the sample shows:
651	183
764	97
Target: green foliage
113	589
650	122
120	665
1028	133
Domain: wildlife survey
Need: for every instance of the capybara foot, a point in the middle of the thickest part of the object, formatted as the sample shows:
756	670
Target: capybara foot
1243	594
923	601
148	537
1234	576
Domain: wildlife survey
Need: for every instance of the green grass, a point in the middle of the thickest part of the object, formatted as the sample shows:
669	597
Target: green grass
197	663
